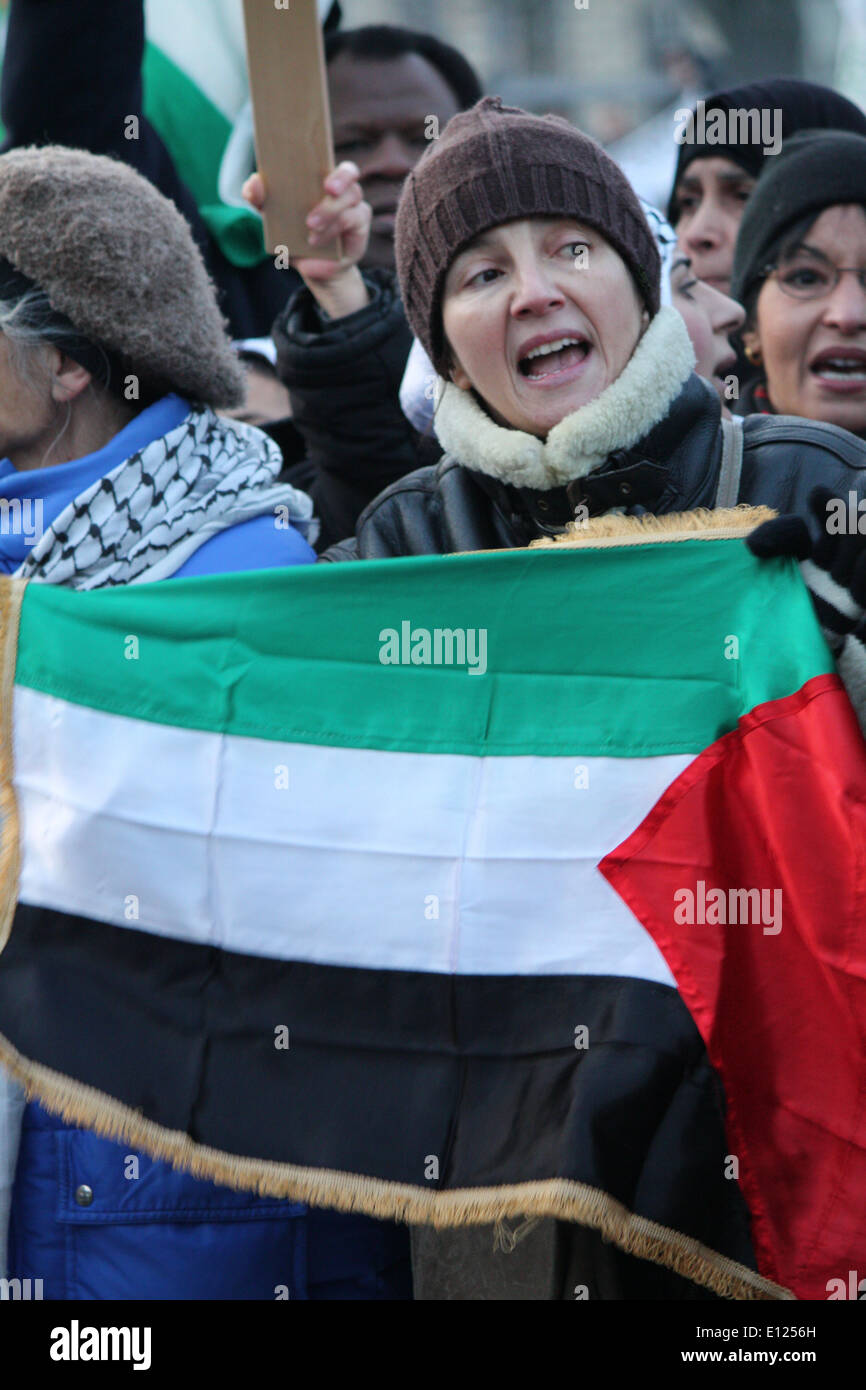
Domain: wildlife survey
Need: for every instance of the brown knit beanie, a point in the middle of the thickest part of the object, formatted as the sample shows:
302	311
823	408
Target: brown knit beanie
495	164
119	261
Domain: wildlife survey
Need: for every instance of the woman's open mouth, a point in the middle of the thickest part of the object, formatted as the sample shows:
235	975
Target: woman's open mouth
555	362
841	370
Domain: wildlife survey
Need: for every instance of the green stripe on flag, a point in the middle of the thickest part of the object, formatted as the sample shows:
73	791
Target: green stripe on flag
625	652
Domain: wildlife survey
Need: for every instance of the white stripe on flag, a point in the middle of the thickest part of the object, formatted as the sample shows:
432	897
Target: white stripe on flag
405	861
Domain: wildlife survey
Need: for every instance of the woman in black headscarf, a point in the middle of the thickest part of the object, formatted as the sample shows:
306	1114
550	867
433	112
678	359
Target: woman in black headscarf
724	145
800	273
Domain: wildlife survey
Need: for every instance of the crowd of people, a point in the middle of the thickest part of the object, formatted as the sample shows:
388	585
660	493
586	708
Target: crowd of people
511	340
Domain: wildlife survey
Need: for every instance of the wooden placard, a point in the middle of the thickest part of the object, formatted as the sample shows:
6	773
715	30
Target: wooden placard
292	118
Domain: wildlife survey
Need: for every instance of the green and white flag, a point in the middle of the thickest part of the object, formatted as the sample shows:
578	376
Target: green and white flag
454	889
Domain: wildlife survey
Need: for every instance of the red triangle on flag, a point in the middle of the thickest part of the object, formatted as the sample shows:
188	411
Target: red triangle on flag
775	981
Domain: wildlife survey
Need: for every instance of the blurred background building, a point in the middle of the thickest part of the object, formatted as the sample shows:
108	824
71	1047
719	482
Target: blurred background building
612	65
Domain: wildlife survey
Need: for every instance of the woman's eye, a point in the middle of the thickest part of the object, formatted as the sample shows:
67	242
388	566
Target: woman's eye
576	249
803	277
686	202
477	278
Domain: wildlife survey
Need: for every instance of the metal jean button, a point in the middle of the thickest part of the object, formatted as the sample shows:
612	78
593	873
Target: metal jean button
84	1195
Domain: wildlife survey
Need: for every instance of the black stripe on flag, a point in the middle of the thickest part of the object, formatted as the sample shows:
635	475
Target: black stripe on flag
492	1076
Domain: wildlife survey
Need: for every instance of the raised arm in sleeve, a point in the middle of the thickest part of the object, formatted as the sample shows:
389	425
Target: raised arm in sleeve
344	379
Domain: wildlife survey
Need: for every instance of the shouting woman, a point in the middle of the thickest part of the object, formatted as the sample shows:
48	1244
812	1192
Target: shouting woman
800	272
532	279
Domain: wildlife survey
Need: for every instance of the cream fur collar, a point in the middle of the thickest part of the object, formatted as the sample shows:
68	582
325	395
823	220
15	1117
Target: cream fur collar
631	406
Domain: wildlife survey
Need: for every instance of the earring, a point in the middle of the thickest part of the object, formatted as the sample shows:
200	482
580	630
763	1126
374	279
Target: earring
753	354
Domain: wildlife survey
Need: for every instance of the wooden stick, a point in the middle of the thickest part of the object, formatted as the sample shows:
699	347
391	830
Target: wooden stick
292	119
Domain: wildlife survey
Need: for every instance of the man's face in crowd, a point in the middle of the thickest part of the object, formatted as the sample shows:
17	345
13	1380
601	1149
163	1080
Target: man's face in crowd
379	109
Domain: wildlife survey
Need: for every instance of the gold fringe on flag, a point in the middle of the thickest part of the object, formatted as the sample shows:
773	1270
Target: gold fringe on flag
599	532
561	1199
557	1198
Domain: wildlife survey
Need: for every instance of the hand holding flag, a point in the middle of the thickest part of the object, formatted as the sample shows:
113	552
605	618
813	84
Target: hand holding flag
833	565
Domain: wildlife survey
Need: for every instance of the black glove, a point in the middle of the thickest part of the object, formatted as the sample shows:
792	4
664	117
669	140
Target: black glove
833	565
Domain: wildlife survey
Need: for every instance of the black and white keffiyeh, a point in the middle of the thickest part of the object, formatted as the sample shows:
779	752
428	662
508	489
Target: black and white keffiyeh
146	517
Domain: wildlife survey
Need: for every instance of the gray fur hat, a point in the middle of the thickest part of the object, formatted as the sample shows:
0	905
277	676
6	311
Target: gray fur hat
119	261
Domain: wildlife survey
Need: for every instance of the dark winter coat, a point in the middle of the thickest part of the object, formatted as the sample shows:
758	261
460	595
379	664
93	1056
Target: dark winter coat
95	1220
651	443
343	377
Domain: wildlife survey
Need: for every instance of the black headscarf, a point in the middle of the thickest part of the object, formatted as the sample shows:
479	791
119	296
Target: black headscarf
816	170
804	106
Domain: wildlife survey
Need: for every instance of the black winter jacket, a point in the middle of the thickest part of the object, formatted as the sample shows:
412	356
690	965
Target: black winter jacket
71	76
675	467
344	379
653	441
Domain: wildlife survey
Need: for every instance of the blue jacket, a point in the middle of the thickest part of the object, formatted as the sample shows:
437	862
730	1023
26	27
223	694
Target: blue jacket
95	1220
251	545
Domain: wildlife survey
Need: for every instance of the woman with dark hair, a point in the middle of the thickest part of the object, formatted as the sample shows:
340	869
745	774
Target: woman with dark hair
714	181
800	273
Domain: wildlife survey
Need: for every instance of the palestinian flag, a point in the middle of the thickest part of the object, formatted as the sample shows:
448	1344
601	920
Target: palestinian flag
195	85
196	96
455	890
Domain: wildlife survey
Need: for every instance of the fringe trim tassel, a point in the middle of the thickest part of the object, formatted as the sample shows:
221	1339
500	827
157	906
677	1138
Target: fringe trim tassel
558	1198
704	523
